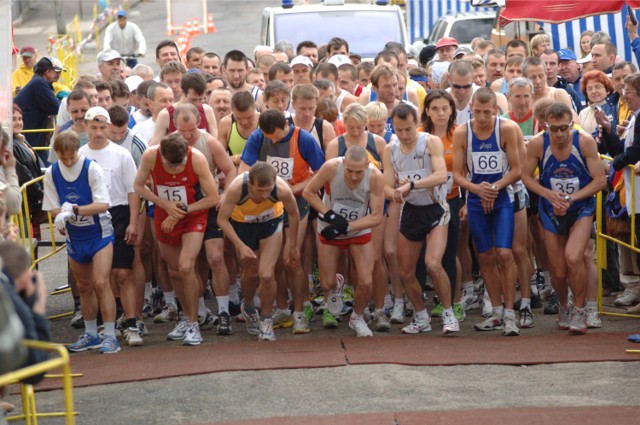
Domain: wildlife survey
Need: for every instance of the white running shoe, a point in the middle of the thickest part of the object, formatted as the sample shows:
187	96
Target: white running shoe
449	323
417	326
335	301
487	308
133	337
593	318
179	331
266	331
381	322
360	326
397	315
192	336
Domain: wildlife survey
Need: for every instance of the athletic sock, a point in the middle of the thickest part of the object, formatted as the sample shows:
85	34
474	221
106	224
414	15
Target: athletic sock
110	329
524	303
130	323
250	309
498	312
223	303
147	290
170	298
467	287
448	311
234	293
91	327
422	315
592	304
509	314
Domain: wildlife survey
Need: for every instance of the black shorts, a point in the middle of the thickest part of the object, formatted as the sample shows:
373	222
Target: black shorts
532	209
213	231
303	209
252	233
417	221
122	253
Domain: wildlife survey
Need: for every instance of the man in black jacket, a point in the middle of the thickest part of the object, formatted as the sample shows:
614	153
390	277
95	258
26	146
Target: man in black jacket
38	101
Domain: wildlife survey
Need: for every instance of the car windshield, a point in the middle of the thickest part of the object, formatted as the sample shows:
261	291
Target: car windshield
466	30
366	31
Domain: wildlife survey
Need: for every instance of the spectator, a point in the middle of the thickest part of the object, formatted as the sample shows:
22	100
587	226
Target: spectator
585	43
595	86
28	293
9	184
23	74
126	38
38	101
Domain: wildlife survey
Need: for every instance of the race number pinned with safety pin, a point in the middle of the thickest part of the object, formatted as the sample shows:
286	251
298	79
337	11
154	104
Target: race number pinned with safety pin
567	186
173	193
486	162
81	220
350	213
413	176
263	217
283	166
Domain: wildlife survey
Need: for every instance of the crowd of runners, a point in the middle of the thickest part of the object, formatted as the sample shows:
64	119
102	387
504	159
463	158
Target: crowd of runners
302	182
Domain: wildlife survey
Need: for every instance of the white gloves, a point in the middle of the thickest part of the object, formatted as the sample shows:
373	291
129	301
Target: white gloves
66	207
61	220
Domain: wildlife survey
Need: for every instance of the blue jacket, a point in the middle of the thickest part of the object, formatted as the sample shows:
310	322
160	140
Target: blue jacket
37	101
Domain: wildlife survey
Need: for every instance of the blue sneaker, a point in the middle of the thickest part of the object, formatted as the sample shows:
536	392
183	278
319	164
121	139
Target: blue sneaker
85	342
634	337
110	345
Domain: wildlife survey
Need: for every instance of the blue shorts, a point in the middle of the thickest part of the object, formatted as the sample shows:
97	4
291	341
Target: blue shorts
252	233
561	225
492	230
83	251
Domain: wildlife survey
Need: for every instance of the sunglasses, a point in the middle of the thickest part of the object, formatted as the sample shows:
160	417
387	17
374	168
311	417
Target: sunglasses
458	86
554	128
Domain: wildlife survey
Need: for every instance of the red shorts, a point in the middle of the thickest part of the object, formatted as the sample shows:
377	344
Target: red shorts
193	223
344	243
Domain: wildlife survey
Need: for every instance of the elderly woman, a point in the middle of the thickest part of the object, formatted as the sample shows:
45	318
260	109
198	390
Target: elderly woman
595	87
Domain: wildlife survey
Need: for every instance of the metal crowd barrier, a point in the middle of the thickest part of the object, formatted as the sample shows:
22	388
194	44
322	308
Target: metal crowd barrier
602	238
30	414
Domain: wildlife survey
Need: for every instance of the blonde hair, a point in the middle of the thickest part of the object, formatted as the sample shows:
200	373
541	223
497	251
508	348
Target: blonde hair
537	40
356	112
376	111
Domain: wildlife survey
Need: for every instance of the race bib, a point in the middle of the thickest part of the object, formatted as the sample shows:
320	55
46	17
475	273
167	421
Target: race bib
413	176
350	213
173	193
260	218
81	220
567	186
283	166
486	162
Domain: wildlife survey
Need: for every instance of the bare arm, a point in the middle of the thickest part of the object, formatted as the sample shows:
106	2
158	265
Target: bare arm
161	128
332	149
325	174
222	160
207	183
328	133
389	175
510	140
224	130
212	127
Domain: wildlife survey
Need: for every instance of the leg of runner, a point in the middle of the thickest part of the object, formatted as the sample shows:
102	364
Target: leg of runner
361	256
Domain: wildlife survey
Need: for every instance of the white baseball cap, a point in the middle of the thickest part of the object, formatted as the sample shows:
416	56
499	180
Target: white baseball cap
338	60
95	112
301	60
133	82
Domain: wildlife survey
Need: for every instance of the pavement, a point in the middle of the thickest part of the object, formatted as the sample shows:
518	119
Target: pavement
330	376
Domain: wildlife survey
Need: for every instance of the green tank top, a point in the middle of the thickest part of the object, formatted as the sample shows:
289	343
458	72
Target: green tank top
236	141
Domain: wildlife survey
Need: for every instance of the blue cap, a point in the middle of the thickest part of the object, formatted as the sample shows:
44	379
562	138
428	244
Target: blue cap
121	14
567	55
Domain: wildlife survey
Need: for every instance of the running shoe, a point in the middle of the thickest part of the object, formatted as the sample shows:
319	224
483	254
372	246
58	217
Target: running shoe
381	322
109	345
328	321
251	320
168	314
449	323
348	294
133	337
627	298
192	335
437	310
510	327
536	302
179	331
157	301
266	331
397	315
417	326
553	305
469	300
282	319
300	324
335	300
490	324
234	309
526	318
388	304
142	327
634	337
578	324
307	310
77	321
224	326
545	292
85	342
593	318
360	326
564	317
147	309
458	312
207	322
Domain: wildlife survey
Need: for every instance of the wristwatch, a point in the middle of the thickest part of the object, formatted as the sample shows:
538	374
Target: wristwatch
568	199
494	187
75	210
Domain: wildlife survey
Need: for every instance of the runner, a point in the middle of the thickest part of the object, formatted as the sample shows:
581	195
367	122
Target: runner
251	216
352	205
184	191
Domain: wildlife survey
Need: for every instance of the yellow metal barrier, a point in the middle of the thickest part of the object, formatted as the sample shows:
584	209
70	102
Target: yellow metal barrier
602	238
29	411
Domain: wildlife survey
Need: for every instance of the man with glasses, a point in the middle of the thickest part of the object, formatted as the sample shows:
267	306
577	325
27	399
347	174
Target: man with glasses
183	193
462	88
570	174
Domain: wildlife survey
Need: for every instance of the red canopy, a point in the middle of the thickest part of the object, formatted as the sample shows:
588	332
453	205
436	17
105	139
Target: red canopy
560	11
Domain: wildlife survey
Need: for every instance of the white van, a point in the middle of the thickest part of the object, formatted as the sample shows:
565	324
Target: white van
367	28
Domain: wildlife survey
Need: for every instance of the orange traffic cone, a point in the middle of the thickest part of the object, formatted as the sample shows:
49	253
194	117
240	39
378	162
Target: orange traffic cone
195	28
211	27
187	29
